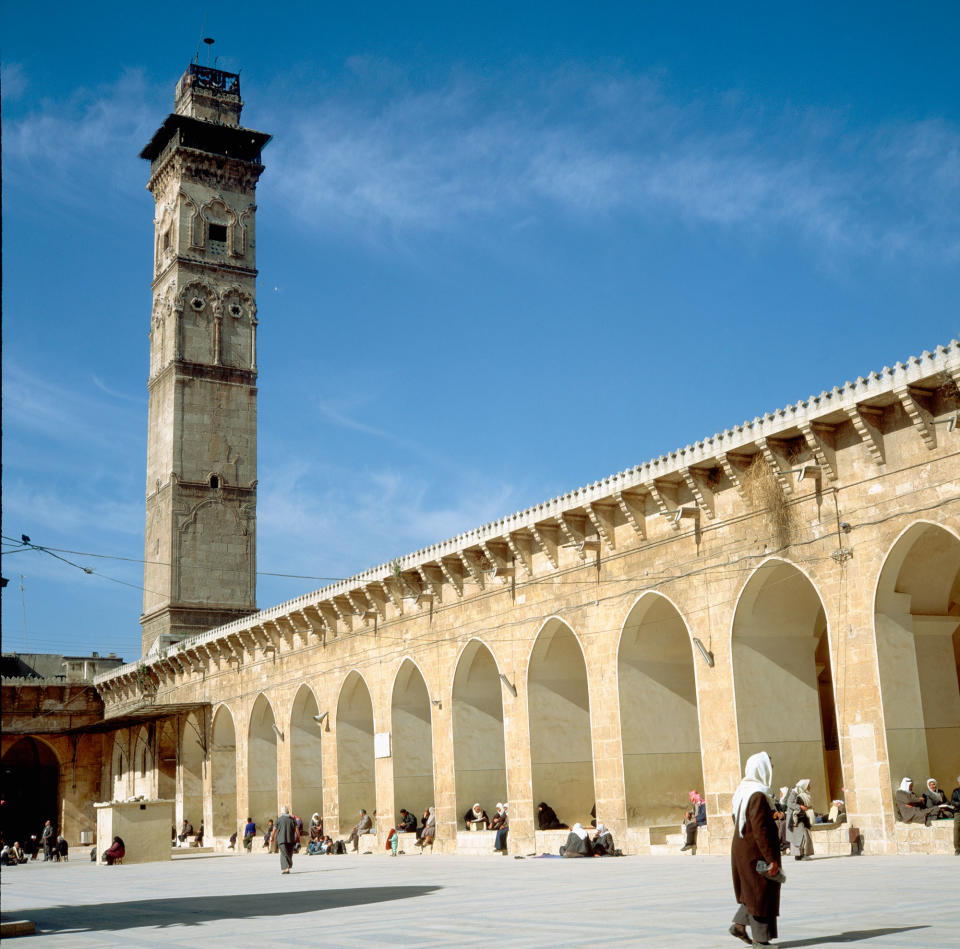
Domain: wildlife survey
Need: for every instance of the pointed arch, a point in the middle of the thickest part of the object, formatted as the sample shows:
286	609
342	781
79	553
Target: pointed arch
659	721
917	629
167	761
262	762
479	750
412	730
223	776
783	679
306	755
142	763
191	771
118	766
356	780
561	741
31	788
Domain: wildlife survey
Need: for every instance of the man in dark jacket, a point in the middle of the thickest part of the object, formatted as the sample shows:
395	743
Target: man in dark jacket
408	823
287	836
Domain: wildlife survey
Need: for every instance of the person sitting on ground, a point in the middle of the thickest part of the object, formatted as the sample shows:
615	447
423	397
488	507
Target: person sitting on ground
115	853
547	818
6	857
934	797
695	819
429	830
363	826
498	817
602	843
63	848
407	823
316	828
911	808
249	832
503	829
17	852
326	845
185	831
799	819
268	834
578	843
476	815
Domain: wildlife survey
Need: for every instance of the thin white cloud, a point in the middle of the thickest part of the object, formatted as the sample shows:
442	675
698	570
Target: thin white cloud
13	82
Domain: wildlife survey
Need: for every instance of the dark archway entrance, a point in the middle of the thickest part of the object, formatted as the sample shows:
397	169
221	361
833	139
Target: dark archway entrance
30	790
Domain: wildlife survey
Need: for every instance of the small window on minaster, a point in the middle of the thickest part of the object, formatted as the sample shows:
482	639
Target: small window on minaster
217	233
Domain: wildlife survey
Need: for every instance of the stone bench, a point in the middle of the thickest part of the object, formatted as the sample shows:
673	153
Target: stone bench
917	838
477	843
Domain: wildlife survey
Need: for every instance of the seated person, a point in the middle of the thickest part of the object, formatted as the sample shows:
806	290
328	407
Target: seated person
115	853
63	848
934	797
268	834
363	826
911	808
185	831
498	818
316	828
837	813
407	823
476	815
429	829
424	817
578	843
17	852
6	858
547	818
602	843
249	832
503	828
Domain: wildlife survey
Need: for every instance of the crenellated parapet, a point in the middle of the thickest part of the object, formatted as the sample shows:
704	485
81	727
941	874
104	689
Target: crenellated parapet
815	445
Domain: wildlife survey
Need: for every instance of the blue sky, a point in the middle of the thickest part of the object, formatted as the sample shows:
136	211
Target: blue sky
503	252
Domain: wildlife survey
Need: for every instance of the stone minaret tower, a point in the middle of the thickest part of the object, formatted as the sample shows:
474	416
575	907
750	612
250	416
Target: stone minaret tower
200	548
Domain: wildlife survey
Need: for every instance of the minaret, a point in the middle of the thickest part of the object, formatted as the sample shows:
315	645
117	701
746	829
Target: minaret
200	547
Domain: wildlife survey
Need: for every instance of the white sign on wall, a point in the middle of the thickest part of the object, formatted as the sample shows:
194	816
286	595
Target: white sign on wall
381	745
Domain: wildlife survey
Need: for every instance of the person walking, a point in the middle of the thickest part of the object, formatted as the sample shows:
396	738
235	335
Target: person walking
286	835
755	838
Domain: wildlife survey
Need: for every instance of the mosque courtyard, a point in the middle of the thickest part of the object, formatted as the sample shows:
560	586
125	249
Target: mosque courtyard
434	900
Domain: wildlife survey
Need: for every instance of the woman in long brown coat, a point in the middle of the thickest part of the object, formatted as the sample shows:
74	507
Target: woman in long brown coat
755	837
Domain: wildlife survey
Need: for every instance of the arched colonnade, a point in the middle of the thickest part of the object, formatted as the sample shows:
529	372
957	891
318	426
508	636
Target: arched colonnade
524	720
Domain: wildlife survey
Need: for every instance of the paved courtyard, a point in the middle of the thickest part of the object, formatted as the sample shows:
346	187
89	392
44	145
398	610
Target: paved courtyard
414	900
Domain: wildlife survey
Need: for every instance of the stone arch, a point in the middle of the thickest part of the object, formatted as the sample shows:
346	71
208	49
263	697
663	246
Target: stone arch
167	761
223	776
194	222
917	628
118	769
306	756
142	763
479	750
783	679
659	722
198	306
561	743
217	212
356	776
190	804
412	736
238	309
30	771
262	762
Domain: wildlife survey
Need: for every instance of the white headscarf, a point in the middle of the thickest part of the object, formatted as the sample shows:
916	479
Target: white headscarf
783	793
478	810
601	830
905	784
757	776
579	831
803	792
499	807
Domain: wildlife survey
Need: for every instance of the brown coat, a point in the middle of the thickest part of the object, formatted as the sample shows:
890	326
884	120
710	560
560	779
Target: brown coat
760	841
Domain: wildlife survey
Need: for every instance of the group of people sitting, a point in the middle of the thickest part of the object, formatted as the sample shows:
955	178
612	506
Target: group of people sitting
581	844
932	805
12	854
186	832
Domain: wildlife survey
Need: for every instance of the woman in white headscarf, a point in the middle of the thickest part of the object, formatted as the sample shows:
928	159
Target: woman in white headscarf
755	838
578	843
799	819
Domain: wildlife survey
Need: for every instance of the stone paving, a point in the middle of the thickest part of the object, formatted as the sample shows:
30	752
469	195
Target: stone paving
436	901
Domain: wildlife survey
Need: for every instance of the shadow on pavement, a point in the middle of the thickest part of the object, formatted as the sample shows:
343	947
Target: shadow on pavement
192	910
855	935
